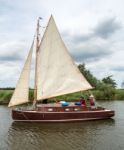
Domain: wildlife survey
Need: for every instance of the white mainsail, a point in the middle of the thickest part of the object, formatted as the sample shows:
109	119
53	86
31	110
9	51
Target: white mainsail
57	74
21	92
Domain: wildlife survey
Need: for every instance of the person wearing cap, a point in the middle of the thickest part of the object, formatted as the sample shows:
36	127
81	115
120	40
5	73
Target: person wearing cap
92	101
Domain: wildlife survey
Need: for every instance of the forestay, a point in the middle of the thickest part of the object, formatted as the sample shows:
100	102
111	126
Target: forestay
21	92
57	73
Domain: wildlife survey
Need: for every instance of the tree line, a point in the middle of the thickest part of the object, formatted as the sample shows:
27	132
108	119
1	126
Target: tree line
104	88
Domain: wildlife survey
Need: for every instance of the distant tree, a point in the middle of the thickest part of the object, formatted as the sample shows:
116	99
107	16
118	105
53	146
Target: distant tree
7	88
122	85
88	75
105	92
105	89
108	80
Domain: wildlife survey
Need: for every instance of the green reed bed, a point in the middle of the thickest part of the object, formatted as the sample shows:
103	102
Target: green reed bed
5	96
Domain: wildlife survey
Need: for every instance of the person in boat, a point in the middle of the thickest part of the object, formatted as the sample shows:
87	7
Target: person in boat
92	101
45	101
83	101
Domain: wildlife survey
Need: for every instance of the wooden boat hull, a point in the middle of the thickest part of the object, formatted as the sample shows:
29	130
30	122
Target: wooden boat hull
39	116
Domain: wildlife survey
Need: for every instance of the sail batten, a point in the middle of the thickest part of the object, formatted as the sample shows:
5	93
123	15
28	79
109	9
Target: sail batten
57	72
21	92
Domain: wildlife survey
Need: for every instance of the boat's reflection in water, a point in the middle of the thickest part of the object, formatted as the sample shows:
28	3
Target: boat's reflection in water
59	136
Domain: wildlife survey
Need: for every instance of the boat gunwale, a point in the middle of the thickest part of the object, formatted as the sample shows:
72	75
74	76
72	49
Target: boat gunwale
83	111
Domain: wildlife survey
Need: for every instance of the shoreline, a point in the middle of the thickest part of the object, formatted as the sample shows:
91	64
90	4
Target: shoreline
5	96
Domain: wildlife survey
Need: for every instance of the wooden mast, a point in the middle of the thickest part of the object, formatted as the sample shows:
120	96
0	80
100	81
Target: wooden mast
37	49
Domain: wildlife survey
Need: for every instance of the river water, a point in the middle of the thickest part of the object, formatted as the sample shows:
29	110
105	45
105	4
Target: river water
89	135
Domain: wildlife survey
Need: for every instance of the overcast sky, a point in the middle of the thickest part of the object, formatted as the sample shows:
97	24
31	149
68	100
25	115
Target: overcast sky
93	31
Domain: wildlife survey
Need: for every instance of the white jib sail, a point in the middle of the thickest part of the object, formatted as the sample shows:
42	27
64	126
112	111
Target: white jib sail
57	73
21	92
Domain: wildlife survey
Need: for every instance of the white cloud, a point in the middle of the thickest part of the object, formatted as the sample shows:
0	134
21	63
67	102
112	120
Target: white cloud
90	29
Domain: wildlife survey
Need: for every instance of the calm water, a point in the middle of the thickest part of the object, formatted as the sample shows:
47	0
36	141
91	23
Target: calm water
90	135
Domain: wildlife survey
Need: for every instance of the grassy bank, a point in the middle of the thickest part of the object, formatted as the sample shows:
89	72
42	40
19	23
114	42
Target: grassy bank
5	96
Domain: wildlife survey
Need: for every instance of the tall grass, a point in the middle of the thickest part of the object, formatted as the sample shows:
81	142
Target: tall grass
5	96
119	94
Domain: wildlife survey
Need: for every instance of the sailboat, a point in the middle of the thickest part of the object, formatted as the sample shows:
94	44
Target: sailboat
56	74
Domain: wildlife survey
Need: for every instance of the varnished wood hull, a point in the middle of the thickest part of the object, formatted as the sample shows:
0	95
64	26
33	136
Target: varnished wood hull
39	116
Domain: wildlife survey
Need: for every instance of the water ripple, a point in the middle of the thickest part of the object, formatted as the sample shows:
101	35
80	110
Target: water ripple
35	136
